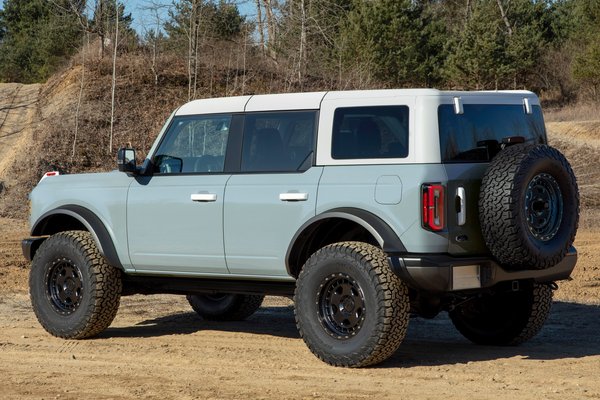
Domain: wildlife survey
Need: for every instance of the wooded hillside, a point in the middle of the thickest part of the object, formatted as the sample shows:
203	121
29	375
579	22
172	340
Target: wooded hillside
99	96
549	46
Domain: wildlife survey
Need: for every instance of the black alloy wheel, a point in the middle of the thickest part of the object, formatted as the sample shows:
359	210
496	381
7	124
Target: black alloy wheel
341	306
64	286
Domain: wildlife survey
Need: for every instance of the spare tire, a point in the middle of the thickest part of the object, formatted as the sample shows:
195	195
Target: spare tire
529	206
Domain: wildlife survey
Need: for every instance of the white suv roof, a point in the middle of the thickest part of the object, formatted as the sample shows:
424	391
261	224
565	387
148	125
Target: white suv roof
313	100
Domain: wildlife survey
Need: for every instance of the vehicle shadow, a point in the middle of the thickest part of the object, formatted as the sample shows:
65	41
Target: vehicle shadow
571	331
275	321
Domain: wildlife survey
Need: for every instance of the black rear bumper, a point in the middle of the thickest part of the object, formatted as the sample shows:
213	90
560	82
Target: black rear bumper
437	273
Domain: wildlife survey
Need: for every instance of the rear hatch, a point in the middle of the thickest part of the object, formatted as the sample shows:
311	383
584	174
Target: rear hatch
470	136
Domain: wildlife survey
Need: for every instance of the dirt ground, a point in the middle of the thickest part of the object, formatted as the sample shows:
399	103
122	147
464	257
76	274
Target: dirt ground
158	348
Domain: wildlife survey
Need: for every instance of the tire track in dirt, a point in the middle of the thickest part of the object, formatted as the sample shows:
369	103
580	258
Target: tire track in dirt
158	348
6	108
18	105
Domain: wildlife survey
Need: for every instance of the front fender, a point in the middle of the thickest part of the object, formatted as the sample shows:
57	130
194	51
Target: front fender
52	222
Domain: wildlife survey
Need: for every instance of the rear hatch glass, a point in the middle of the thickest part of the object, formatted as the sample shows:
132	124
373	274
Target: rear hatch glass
467	137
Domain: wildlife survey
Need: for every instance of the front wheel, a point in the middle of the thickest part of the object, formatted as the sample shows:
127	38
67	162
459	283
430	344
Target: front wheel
351	310
74	293
505	317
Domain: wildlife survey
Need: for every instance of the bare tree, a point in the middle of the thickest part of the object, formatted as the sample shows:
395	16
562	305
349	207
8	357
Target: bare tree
271	28
79	98
114	78
504	17
155	7
260	26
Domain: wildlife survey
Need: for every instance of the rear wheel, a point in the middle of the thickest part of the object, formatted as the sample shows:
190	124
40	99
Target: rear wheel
351	310
225	306
505	317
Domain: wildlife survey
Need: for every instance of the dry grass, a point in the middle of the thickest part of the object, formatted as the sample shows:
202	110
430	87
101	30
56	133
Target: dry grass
580	143
572	113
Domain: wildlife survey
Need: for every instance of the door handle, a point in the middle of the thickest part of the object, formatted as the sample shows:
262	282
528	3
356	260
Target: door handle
203	197
462	204
293	196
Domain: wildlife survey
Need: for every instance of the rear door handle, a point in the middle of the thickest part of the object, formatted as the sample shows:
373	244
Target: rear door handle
203	197
293	196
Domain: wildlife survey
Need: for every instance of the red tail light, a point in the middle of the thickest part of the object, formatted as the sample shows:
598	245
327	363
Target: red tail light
433	207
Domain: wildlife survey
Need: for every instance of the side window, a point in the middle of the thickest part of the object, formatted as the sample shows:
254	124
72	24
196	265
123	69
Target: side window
370	132
278	141
194	144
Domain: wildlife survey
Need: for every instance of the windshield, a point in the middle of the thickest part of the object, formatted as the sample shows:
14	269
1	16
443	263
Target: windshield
466	137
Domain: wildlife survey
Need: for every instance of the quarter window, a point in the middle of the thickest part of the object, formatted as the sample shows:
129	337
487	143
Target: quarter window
278	141
194	144
370	132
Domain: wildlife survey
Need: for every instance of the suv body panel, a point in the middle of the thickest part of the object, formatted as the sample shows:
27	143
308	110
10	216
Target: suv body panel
153	218
170	232
464	239
256	203
103	194
359	186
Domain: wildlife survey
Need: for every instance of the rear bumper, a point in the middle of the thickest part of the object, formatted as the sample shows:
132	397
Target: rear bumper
444	273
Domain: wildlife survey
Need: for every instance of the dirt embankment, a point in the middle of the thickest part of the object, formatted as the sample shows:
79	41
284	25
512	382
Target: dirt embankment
18	105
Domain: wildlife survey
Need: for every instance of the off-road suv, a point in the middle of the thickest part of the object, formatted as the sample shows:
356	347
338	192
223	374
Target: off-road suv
365	206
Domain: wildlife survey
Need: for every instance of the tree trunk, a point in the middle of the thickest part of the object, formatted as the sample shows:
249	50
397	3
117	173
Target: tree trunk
468	11
271	29
302	50
504	17
83	50
261	32
196	46
114	79
191	36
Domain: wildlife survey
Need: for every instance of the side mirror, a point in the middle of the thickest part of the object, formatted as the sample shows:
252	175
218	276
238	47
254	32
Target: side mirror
126	160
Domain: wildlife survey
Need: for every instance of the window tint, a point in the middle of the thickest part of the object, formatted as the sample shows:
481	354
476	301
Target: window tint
462	136
370	132
194	144
278	141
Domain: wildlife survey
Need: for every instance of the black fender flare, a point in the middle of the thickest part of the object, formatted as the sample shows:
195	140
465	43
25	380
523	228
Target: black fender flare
90	221
385	236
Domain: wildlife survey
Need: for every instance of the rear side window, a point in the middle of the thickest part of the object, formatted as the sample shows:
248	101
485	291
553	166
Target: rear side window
370	132
278	141
467	137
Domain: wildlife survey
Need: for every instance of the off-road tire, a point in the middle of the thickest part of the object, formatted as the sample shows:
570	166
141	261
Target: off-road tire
75	294
529	207
225	306
506	318
356	275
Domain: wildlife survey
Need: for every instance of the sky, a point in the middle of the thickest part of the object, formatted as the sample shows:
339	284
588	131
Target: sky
145	19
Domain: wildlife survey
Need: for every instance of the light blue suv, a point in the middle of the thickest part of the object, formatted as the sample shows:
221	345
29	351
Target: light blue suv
365	206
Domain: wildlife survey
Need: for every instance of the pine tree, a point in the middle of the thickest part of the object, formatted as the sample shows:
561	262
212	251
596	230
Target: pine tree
36	37
401	40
